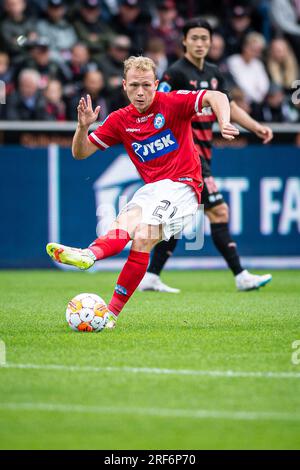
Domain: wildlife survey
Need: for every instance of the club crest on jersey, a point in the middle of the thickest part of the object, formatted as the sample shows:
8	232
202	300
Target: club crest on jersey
214	83
159	121
155	146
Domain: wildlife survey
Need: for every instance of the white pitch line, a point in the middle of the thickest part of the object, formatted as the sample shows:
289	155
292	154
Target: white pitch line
154	412
157	371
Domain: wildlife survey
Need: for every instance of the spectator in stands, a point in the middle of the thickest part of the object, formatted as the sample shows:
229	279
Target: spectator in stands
91	29
286	17
112	66
216	55
39	59
58	30
79	64
247	68
112	63
156	50
207	8
262	21
276	108
109	8
55	107
6	73
236	28
167	26
7	85
282	64
93	85
15	25
26	103
132	21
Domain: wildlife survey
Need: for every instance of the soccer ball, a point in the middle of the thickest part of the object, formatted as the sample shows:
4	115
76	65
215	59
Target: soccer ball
87	312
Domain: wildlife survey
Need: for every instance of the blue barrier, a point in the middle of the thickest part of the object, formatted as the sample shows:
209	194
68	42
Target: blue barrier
45	194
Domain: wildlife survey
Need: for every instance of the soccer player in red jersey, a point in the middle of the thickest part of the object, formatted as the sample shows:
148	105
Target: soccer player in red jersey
156	132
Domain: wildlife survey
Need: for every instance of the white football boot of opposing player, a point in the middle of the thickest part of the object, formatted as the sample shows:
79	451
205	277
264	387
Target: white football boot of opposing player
247	281
152	282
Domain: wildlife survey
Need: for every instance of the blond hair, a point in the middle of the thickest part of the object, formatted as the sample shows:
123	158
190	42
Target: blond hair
286	72
139	63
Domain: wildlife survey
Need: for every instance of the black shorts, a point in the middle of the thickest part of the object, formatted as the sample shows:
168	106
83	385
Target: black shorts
211	196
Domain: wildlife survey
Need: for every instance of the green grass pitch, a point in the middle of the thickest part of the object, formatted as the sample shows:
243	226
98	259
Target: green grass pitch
160	380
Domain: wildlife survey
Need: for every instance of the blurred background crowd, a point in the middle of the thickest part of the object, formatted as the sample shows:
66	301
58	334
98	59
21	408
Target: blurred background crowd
54	51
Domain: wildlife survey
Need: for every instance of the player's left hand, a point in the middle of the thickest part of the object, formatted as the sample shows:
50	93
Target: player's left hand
228	131
264	132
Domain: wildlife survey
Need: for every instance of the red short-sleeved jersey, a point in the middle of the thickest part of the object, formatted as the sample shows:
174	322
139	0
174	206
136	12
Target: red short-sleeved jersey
159	141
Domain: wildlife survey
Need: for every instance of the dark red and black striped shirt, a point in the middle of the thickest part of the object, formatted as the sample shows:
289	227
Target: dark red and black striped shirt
184	75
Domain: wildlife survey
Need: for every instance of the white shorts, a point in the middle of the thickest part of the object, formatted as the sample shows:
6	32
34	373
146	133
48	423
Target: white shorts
168	203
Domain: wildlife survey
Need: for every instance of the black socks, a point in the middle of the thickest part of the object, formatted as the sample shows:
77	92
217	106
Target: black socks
226	246
222	241
161	253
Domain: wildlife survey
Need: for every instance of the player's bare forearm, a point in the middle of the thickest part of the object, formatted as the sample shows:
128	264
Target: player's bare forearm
241	117
220	105
82	147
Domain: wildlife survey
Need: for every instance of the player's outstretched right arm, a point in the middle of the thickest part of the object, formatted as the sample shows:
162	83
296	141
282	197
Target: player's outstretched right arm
82	147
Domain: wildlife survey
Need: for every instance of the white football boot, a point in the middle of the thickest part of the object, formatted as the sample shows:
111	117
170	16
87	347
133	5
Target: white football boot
247	281
152	282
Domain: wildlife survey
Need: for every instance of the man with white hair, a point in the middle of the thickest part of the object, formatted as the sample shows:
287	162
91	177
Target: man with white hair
27	102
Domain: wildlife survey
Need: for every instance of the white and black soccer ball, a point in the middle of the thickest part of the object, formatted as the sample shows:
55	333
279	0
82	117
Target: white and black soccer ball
87	312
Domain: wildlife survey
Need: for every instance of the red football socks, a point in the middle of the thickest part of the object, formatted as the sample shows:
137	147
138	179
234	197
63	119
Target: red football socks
129	278
110	244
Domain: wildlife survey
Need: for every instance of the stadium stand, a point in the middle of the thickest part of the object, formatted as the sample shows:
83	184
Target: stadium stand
65	41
